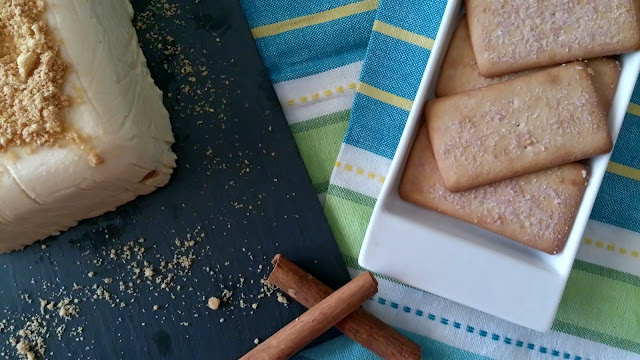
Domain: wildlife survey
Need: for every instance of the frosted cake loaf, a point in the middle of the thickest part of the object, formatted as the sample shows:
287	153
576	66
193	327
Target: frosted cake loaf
82	125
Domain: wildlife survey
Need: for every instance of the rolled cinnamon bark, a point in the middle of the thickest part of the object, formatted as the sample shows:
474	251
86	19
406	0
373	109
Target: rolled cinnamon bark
318	319
360	326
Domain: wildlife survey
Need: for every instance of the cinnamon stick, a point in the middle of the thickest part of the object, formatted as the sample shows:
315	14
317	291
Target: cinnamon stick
360	326
315	321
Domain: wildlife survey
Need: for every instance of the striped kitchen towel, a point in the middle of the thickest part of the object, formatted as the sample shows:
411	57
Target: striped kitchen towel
346	73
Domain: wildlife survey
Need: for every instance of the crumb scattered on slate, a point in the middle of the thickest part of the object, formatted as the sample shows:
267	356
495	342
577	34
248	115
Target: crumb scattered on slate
134	268
213	303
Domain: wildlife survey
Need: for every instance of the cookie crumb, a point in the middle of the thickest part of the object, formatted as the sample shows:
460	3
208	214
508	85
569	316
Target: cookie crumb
95	160
282	299
226	295
213	303
24	349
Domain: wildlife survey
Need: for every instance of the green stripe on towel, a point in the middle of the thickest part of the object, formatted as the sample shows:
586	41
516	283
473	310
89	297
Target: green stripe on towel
352	196
596	336
348	219
321	121
607	272
602	305
321	188
319	148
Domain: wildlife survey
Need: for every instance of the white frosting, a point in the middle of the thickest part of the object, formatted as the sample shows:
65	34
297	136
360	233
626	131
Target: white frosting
116	107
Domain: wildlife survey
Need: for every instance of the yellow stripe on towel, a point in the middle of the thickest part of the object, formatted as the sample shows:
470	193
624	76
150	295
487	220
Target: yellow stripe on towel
385	97
634	109
314	19
623	170
402	34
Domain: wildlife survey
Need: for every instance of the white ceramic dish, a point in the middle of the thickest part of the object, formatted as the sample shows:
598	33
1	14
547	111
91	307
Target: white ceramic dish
462	262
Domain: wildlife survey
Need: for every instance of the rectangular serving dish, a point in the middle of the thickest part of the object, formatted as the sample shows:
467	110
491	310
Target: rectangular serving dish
462	262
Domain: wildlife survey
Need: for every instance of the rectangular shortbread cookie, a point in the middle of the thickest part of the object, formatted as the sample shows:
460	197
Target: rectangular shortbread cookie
510	36
516	127
606	73
537	210
459	72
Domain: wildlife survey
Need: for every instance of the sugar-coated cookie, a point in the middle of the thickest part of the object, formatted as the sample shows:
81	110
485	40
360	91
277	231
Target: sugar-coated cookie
537	209
510	36
516	127
459	72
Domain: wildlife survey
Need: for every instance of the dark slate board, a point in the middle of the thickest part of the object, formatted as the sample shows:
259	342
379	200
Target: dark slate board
239	179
